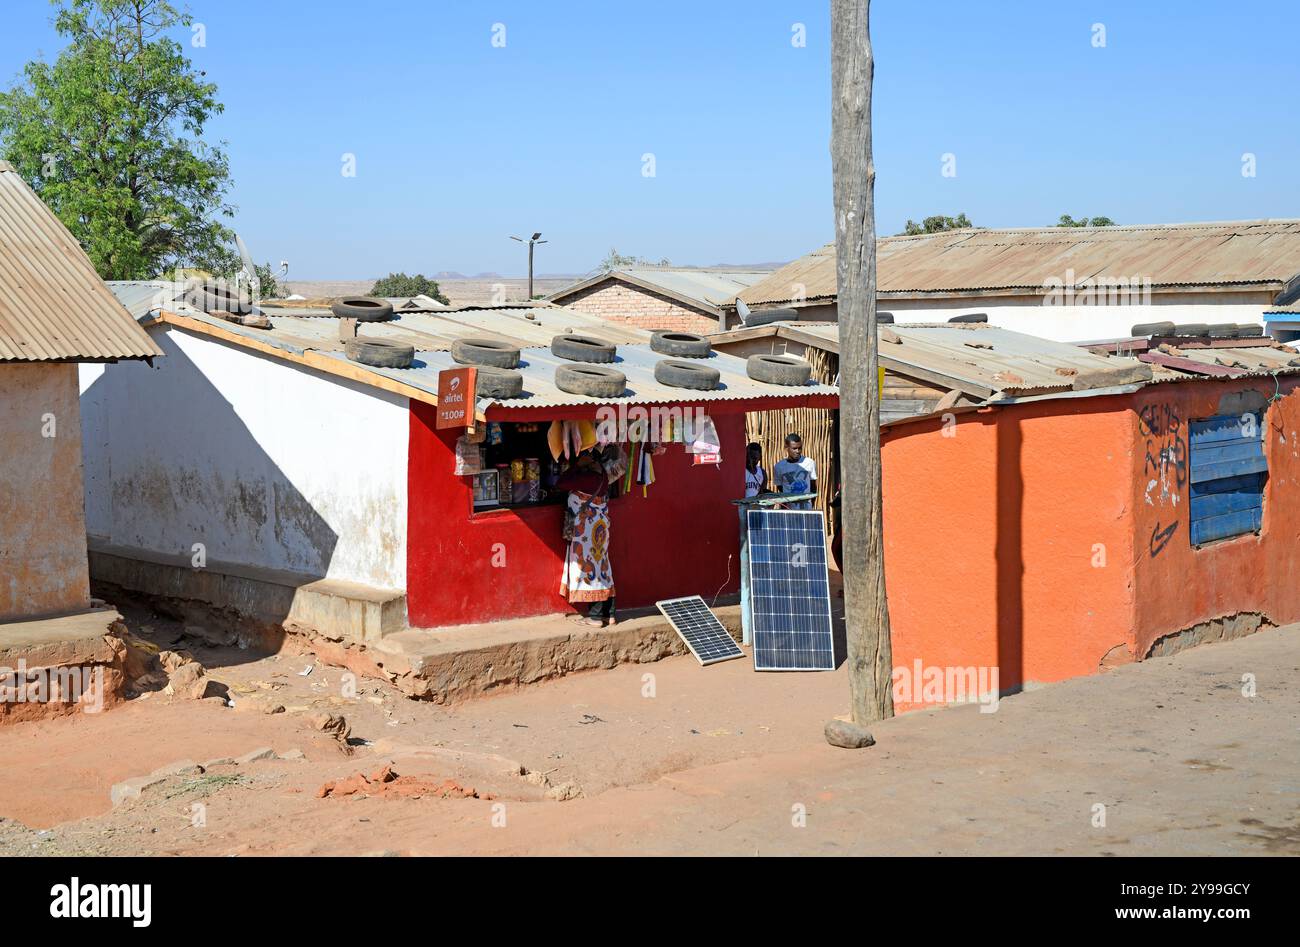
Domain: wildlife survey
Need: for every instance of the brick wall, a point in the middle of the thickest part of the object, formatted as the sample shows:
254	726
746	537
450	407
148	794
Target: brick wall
617	301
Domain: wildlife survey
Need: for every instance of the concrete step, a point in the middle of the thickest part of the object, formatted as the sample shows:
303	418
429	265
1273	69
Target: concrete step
449	664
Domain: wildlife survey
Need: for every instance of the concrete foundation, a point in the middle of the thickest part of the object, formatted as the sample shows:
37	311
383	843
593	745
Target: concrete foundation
54	667
330	607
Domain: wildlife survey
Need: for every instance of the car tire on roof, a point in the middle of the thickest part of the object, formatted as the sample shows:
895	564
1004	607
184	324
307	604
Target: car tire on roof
971	317
582	348
886	318
380	353
591	381
362	308
1222	330
680	344
1191	330
489	352
1145	329
498	383
214	297
1248	330
779	369
765	316
677	374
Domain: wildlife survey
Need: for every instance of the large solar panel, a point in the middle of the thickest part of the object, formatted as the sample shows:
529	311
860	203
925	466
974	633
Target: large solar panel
789	591
700	629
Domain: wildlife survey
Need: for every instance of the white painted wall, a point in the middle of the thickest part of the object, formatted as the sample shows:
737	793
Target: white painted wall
268	464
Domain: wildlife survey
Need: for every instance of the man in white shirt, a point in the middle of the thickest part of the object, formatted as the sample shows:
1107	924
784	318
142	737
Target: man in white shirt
796	473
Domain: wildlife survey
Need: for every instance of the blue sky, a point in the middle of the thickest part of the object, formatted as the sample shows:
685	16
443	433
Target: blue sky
460	143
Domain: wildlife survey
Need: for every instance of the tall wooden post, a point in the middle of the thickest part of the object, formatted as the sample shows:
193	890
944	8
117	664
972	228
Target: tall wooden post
870	658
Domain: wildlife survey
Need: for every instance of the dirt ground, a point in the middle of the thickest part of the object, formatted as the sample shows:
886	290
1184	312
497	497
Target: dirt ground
673	758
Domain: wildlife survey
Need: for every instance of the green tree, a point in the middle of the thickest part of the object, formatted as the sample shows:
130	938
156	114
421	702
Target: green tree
618	261
1068	221
109	136
936	224
399	284
268	285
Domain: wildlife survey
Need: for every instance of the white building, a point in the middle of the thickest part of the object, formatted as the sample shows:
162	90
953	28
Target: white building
1063	283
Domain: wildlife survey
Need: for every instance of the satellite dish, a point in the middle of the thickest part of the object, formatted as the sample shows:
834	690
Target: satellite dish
249	270
742	310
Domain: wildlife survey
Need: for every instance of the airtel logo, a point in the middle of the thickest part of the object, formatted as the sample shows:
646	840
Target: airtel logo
455	383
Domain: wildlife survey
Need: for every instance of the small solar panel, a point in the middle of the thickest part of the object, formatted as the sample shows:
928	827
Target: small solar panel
789	591
700	629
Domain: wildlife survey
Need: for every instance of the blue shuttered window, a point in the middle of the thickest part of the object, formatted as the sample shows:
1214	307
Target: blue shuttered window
1227	476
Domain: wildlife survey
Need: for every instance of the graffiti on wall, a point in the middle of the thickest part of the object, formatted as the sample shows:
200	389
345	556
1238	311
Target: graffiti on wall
1165	468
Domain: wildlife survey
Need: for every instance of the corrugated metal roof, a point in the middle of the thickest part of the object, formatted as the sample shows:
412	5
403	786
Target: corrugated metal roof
635	360
53	305
1228	254
433	331
706	289
977	358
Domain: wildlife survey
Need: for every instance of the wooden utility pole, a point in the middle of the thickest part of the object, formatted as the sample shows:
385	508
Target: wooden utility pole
866	622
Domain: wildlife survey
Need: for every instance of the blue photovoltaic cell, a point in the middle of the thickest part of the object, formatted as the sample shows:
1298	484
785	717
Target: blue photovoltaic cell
789	593
700	629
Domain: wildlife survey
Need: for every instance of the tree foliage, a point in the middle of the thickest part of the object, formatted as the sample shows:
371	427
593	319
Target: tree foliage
936	224
399	284
618	261
1068	221
110	137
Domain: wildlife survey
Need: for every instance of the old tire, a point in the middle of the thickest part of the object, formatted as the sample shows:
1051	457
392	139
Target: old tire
1146	329
1249	330
765	316
582	348
591	381
487	352
498	383
680	344
1191	330
215	298
380	353
778	369
1222	330
885	318
971	317
362	308
692	375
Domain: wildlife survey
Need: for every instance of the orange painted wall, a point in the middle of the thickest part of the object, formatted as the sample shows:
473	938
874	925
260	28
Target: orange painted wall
1180	586
994	537
991	535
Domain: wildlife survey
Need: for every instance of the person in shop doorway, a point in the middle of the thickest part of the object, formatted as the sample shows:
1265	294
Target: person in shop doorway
755	476
795	473
588	576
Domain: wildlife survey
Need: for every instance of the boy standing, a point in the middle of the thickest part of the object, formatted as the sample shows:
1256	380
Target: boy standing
755	476
796	473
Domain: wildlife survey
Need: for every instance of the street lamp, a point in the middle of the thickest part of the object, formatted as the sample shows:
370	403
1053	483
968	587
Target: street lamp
532	241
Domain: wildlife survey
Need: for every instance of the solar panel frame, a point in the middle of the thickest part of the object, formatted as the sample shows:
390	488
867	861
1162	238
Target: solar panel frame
707	653
772	535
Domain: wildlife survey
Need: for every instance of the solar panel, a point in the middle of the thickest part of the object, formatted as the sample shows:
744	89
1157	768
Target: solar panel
700	629
789	591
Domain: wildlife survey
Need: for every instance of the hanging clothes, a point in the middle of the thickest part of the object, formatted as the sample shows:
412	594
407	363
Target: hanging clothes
588	575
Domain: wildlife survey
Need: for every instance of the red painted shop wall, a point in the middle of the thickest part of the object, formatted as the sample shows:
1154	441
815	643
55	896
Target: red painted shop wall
1179	586
993	538
681	539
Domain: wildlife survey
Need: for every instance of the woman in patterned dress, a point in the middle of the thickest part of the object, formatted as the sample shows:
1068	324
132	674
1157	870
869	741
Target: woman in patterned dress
588	576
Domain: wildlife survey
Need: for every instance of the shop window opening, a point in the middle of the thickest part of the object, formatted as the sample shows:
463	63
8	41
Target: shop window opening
1228	473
